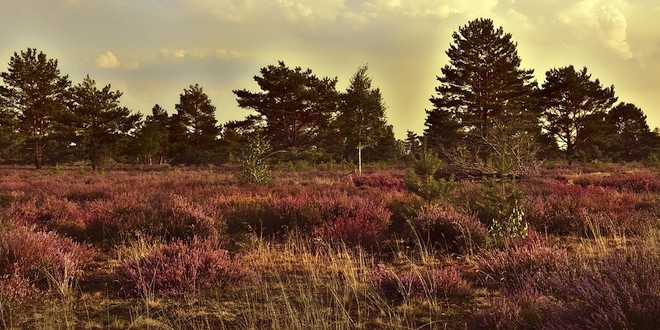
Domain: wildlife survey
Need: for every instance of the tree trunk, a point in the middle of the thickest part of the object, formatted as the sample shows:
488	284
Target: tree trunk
38	152
360	158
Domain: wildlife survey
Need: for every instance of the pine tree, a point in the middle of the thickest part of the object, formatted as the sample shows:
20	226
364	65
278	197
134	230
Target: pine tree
98	120
630	132
482	86
36	91
295	106
159	121
570	99
484	115
197	114
9	137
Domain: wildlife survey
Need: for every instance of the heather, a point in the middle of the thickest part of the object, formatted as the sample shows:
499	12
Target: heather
196	248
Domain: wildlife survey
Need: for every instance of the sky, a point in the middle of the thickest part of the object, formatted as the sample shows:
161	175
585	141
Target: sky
152	50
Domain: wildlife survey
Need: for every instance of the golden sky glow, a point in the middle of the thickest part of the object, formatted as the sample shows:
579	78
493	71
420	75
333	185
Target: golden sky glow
152	49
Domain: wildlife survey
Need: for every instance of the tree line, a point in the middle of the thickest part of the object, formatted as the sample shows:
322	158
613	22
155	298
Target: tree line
490	112
45	119
487	114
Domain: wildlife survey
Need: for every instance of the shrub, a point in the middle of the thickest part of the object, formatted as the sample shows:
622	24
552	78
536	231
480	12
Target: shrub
516	265
428	283
184	219
619	292
178	269
639	182
14	290
420	179
251	214
560	208
43	259
353	220
496	200
252	161
380	180
448	228
525	308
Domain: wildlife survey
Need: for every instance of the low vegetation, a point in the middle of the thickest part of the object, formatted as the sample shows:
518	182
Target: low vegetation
177	248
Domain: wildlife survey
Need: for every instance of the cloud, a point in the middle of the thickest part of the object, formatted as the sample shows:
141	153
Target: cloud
228	55
107	60
592	23
176	54
601	19
200	54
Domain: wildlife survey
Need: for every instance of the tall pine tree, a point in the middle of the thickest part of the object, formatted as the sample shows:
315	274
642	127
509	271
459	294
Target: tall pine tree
571	99
36	91
295	105
193	128
631	134
153	137
98	120
481	87
484	103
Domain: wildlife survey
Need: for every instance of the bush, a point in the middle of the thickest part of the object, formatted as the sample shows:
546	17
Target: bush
380	180
448	228
420	179
179	270
252	161
564	209
496	200
619	292
427	283
525	308
43	259
353	220
639	182
517	265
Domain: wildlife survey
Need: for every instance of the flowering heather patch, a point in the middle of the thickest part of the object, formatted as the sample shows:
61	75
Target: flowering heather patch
179	269
429	283
330	213
619	292
513	267
41	258
449	228
353	220
14	290
561	208
525	308
640	181
49	213
380	180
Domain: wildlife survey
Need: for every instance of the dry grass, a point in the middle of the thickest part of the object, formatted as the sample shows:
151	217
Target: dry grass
296	279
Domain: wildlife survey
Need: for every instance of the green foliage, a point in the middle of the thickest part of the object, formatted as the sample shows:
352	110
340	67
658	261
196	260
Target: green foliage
35	89
295	106
152	139
420	179
196	113
570	98
253	163
631	137
497	206
514	226
482	85
98	121
361	118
